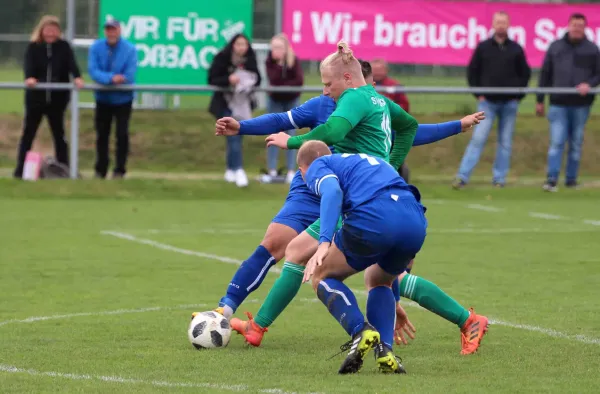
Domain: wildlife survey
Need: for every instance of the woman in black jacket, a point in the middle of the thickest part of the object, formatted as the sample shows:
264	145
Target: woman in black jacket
237	54
48	59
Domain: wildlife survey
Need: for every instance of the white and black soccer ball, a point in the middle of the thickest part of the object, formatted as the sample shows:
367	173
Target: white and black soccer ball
209	330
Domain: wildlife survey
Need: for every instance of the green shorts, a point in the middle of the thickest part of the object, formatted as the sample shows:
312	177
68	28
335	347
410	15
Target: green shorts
314	230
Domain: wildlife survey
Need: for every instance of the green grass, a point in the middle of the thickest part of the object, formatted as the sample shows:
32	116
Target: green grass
512	267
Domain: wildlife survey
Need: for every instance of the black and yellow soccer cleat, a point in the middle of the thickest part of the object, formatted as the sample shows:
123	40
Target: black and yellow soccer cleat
387	361
359	347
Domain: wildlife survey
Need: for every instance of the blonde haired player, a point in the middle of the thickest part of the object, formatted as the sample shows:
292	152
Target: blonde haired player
298	205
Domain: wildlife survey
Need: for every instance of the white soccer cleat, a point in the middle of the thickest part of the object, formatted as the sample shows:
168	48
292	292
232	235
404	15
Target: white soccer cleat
230	176
241	179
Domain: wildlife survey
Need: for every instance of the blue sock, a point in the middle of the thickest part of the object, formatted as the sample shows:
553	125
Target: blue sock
341	303
381	313
248	277
396	289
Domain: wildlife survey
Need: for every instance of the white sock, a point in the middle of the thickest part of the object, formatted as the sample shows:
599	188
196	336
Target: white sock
227	312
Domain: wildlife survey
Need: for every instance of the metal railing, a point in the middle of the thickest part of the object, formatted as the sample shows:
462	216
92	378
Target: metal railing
293	89
74	136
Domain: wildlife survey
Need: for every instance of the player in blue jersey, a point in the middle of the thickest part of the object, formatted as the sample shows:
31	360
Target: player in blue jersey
384	228
300	210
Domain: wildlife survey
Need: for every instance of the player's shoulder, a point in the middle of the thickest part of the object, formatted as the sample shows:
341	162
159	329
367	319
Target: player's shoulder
315	102
360	95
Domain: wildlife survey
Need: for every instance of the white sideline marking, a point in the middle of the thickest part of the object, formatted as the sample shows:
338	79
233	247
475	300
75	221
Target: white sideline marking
484	208
517	230
171	248
104	313
546	216
592	222
546	331
122	380
204	230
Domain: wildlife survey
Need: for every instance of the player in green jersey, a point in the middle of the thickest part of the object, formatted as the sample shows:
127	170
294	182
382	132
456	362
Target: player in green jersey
360	124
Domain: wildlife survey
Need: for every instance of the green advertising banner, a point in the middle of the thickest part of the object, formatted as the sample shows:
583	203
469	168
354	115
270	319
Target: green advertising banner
177	40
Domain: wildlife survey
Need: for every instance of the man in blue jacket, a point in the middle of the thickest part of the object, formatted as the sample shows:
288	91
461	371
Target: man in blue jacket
112	61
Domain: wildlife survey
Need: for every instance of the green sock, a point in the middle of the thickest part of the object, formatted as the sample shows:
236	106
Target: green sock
432	298
282	293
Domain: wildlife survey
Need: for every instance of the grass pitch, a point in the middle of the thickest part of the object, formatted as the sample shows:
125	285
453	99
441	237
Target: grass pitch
99	280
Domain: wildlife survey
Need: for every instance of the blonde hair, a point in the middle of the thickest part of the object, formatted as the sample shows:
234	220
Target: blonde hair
311	151
290	56
36	35
342	60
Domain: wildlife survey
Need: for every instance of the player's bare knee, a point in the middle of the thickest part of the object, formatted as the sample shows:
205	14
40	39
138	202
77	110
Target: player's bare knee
295	253
375	277
275	245
277	238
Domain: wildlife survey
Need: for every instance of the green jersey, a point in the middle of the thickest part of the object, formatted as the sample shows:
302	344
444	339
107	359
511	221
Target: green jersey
363	123
368	113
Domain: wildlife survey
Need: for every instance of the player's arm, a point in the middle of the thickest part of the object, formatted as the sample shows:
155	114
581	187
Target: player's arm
302	116
350	110
406	128
321	180
430	133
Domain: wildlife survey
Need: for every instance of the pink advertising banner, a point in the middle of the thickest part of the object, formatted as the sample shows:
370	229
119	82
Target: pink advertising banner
424	32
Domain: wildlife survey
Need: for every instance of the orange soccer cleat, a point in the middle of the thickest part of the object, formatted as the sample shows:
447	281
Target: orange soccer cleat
472	332
252	332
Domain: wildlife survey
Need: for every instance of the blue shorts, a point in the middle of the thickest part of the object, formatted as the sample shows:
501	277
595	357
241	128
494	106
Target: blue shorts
301	207
388	230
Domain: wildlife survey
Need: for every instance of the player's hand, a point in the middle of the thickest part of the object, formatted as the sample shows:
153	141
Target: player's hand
583	89
316	261
539	109
403	326
227	126
469	121
30	82
279	140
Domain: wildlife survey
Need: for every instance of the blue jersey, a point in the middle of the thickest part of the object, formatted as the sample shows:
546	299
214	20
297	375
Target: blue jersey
361	177
317	110
346	181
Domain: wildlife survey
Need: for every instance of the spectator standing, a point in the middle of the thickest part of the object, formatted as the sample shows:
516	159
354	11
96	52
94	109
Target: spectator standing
380	71
381	78
496	62
48	58
237	56
283	69
572	61
112	61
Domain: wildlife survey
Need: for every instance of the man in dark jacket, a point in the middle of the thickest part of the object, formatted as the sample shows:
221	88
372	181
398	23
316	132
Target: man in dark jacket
112	61
496	62
48	59
572	61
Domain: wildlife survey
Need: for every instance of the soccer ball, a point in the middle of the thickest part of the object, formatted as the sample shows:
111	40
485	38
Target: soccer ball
209	330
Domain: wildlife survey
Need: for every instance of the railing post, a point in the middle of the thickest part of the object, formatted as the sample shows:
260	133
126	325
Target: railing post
74	139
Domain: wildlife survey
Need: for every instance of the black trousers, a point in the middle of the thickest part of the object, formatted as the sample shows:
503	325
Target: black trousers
34	112
103	119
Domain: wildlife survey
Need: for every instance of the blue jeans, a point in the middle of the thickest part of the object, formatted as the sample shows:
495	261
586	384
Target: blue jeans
273	151
566	122
233	150
506	112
